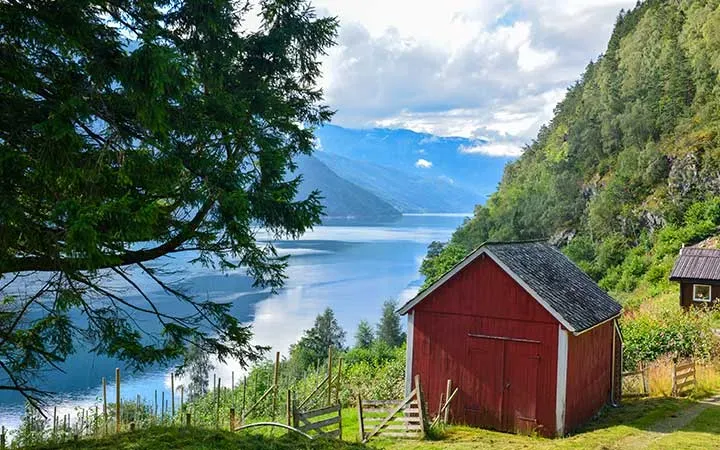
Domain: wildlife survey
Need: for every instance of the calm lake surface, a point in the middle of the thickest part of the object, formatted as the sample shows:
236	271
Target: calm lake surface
351	268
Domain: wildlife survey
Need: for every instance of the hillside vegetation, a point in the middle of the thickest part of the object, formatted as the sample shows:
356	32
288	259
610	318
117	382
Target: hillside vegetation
340	198
628	169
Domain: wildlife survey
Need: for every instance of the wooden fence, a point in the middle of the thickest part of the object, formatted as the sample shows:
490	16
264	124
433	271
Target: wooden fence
635	383
325	422
115	414
683	377
392	418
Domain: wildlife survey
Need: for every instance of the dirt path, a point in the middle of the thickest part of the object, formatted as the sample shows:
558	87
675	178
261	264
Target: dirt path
664	427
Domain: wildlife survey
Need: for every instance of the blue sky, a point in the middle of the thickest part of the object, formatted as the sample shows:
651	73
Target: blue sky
472	68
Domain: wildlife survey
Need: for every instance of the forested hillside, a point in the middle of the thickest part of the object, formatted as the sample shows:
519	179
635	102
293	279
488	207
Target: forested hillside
340	198
628	169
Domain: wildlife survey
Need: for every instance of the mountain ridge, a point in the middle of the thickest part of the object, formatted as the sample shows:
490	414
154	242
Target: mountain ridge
628	169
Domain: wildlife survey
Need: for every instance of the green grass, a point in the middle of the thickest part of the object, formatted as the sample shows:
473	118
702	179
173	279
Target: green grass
635	419
158	438
701	433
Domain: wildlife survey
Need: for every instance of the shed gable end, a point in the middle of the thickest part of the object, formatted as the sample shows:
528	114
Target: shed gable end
484	289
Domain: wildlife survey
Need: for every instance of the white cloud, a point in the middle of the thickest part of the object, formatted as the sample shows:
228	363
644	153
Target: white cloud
493	149
460	66
423	163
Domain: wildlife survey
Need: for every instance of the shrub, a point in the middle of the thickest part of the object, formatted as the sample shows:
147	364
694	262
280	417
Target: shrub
650	334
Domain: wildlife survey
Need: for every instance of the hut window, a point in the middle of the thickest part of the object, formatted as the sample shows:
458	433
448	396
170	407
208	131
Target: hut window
701	293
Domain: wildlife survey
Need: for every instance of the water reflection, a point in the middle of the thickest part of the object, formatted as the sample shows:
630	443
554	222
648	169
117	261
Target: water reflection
352	269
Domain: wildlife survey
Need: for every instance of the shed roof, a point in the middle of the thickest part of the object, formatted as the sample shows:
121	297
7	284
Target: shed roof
702	264
550	277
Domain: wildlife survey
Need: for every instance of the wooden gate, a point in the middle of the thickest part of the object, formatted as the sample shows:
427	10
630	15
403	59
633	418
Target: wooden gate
404	419
635	383
683	380
325	422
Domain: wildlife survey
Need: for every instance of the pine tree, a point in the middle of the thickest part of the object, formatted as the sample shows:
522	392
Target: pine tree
388	330
364	337
313	346
197	367
131	130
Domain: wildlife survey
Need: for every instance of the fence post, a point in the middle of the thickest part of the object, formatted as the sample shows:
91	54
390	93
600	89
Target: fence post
217	405
421	404
448	391
646	388
172	397
275	384
337	382
117	399
242	408
232	419
329	395
339	421
289	408
132	426
105	412
361	422
2	438
673	392
182	394
187	419
162	407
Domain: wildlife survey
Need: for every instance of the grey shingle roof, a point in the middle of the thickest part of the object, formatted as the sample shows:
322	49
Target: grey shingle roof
697	264
555	281
558	281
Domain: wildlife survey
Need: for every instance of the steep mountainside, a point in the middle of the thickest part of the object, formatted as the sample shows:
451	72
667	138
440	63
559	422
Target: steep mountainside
628	170
402	150
407	193
341	198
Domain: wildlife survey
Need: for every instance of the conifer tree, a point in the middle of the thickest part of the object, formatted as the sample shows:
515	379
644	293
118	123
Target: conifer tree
135	129
313	347
388	329
364	337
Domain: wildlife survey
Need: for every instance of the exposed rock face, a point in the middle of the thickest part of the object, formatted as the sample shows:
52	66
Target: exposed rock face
695	175
652	221
562	238
684	177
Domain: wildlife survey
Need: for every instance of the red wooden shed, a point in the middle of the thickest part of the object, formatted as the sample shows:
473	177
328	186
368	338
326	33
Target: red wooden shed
528	338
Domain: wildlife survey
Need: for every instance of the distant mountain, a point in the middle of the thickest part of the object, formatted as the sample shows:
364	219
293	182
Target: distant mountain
408	193
403	149
342	199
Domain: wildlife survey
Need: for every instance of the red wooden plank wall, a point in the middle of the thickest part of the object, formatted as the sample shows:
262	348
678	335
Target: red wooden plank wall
481	299
589	376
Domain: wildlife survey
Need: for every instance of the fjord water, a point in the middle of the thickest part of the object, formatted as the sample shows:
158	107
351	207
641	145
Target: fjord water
351	267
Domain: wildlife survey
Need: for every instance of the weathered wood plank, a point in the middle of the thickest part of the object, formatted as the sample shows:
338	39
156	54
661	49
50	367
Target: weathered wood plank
400	427
681	373
320	424
319	412
634	373
367	403
681	386
396	418
685	365
401	435
332	434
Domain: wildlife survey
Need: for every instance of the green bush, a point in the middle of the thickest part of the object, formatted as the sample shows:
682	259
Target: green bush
648	335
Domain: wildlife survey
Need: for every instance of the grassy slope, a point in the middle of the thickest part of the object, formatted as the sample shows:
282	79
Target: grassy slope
200	439
606	432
